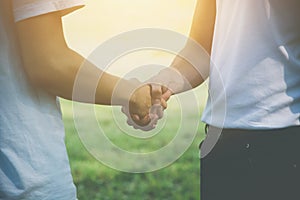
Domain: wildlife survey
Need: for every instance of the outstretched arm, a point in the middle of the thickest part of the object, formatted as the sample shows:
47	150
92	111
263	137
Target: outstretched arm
52	66
190	67
193	62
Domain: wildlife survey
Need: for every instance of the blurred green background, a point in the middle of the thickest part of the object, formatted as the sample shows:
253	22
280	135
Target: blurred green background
94	180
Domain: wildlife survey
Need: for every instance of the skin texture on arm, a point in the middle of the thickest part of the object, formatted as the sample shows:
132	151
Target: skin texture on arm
198	49
52	66
201	32
203	24
183	75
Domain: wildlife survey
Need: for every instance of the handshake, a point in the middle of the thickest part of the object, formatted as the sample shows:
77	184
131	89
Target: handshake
147	103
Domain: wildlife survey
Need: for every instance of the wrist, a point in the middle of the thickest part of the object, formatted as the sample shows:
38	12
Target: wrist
171	79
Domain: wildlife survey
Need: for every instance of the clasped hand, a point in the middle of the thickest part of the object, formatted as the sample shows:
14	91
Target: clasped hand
146	106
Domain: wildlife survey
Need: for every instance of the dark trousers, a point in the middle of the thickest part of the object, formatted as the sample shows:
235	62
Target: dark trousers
253	164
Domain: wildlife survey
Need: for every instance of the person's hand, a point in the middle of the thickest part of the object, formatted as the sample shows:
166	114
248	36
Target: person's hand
159	97
141	114
138	108
163	86
146	106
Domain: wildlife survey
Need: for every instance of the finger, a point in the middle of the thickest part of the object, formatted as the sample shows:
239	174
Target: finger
163	103
130	122
153	122
156	110
156	93
147	123
135	117
136	122
150	125
164	89
166	95
143	121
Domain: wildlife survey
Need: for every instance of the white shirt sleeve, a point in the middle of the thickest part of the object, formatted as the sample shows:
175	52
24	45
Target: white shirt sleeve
24	9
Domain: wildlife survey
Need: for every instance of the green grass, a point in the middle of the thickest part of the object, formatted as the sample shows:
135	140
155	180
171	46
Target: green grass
95	181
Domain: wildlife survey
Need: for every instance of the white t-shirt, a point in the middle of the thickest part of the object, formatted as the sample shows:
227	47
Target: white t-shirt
255	72
33	158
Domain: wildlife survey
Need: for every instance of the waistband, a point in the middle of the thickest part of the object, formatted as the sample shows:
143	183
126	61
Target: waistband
291	129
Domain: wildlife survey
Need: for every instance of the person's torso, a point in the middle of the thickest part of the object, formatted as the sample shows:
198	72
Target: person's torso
254	78
33	158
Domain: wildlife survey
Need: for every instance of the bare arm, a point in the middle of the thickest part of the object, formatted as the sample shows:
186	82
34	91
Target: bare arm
201	32
51	65
183	75
203	24
190	67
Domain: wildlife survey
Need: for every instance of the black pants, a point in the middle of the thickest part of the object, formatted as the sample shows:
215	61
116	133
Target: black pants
256	165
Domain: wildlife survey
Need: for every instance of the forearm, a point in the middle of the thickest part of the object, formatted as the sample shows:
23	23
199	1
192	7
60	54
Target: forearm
193	65
193	62
51	65
70	72
87	83
190	67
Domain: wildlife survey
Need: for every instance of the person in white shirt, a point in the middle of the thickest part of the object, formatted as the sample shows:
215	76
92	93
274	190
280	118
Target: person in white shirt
254	96
36	66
